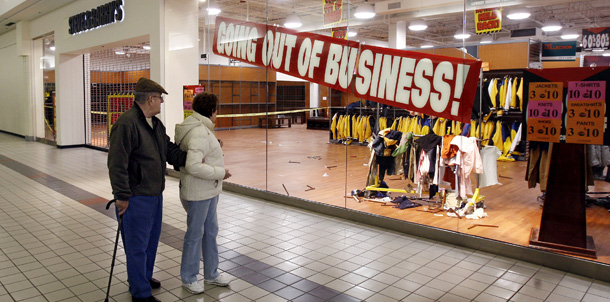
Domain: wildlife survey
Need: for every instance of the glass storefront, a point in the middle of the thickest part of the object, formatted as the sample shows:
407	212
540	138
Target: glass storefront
362	114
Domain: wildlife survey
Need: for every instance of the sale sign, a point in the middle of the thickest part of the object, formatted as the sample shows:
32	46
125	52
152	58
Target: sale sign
333	12
544	111
431	84
586	110
596	38
488	20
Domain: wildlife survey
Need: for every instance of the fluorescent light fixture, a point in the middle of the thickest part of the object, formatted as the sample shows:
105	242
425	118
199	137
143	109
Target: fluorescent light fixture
364	11
147	47
418	25
599	50
487	40
570	34
426	45
551	25
52	48
460	34
293	21
518	14
606	54
352	33
120	52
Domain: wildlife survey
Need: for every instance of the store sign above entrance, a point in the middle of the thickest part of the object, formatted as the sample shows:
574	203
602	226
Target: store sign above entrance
102	15
435	85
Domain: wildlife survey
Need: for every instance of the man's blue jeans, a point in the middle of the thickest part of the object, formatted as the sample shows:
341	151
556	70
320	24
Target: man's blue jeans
140	234
200	238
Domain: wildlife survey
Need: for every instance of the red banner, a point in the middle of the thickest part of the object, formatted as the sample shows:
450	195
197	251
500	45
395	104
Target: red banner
431	84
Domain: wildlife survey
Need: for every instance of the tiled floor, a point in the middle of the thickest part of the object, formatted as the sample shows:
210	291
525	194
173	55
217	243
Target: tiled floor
56	243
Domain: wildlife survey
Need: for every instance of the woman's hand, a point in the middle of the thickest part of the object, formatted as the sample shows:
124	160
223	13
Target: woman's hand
227	174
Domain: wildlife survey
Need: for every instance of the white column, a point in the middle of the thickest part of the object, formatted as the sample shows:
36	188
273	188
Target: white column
180	57
397	35
70	100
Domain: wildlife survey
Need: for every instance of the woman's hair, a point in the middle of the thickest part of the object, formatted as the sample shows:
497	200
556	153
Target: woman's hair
205	104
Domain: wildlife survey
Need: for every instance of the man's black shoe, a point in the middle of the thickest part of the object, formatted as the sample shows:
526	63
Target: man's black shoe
149	299
154	283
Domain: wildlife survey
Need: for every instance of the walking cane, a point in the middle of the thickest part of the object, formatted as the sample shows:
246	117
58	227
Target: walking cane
116	243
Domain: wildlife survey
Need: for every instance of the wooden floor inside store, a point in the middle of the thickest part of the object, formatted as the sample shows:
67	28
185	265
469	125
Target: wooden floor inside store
302	163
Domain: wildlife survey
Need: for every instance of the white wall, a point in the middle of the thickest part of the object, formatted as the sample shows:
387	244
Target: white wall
13	87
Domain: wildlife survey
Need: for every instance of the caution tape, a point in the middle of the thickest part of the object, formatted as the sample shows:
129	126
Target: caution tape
240	114
268	113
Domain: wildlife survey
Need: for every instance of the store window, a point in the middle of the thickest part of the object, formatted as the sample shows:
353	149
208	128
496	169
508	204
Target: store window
110	78
410	156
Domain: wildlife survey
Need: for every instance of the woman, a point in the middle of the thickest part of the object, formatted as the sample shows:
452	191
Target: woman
200	184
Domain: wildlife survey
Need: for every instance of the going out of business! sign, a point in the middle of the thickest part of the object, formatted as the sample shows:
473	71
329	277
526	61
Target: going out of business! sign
436	85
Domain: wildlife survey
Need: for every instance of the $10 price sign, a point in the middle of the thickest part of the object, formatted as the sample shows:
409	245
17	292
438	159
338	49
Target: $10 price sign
544	111
586	112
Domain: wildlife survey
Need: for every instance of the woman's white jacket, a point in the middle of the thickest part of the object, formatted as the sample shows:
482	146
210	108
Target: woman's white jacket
200	181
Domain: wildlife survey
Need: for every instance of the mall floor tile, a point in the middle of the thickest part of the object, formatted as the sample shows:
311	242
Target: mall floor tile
56	244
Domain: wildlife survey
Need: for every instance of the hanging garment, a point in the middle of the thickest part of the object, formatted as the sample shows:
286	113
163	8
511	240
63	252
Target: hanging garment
538	164
469	161
333	126
509	93
520	94
489	157
516	137
493	93
496	138
513	94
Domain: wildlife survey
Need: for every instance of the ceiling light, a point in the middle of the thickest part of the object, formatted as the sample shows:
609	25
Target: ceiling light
606	54
487	40
417	25
147	47
426	45
201	0
120	52
364	11
352	33
570	34
598	50
460	34
551	25
52	48
518	14
212	9
293	21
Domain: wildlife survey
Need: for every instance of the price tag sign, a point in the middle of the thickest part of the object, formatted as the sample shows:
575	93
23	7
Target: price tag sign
544	111
596	38
586	112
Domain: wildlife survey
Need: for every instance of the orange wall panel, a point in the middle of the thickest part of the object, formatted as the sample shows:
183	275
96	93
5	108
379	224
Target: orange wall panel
505	56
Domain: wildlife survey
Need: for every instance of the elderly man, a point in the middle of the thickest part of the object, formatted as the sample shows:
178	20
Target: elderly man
139	150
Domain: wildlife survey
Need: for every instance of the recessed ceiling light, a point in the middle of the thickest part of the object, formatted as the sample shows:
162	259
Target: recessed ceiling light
460	34
518	14
551	25
293	21
364	11
418	25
